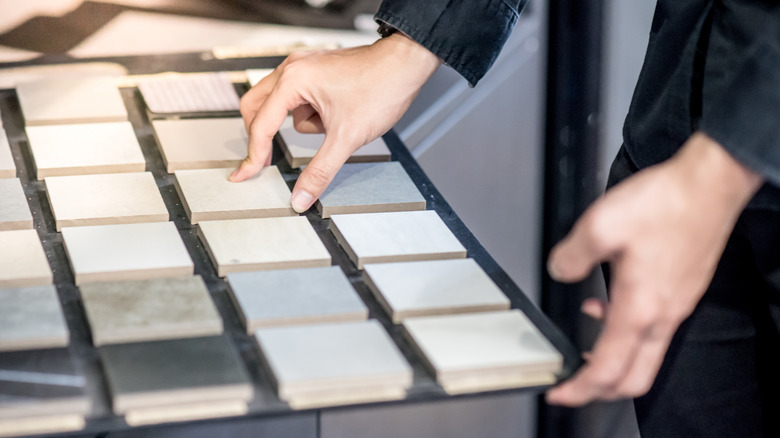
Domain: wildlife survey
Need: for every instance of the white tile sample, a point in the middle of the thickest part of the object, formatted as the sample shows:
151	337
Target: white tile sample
175	93
85	148
208	195
31	318
126	252
295	297
395	237
14	211
118	198
433	287
261	244
7	166
144	310
22	260
201	143
255	75
71	100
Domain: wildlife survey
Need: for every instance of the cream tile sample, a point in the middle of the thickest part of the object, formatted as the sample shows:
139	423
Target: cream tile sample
144	310
208	195
14	211
189	93
22	260
120	198
433	288
71	100
201	143
295	297
255	75
395	237
31	318
126	252
7	166
83	149
260	244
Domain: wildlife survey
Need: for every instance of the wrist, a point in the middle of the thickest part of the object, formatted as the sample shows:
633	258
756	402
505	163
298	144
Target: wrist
400	46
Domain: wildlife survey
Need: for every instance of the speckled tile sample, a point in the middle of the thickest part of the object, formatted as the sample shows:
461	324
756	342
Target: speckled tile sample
14	211
370	188
71	100
84	149
120	198
31	318
172	372
201	143
261	244
433	288
484	351
7	166
156	309
208	195
126	252
189	93
255	75
294	297
22	260
395	237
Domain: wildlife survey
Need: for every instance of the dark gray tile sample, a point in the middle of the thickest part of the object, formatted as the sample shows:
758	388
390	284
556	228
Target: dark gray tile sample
31	318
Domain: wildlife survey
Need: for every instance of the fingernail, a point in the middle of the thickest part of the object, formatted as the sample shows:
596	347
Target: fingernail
301	200
233	175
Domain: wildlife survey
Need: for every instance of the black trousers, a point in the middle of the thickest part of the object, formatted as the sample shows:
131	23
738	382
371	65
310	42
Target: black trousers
721	375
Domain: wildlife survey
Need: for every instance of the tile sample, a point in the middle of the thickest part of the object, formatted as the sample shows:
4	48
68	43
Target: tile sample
331	364
370	188
201	143
71	100
126	252
186	412
173	372
255	75
84	149
31	318
119	198
260	244
47	424
7	166
433	288
22	260
208	195
395	237
484	351
14	211
295	297
143	310
175	93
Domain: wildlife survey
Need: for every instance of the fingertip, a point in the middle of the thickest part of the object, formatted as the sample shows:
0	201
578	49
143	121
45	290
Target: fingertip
301	200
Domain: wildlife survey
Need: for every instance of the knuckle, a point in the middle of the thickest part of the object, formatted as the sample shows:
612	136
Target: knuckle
320	175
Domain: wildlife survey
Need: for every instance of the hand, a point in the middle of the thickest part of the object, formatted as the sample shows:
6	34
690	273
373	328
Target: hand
663	231
352	95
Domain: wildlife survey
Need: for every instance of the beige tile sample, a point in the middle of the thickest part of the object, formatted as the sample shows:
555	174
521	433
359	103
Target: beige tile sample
14	211
119	198
395	237
261	244
201	143
434	287
22	260
208	195
71	100
7	166
31	318
84	149
145	310
126	252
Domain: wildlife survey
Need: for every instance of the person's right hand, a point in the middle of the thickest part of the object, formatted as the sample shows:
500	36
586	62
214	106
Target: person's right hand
352	95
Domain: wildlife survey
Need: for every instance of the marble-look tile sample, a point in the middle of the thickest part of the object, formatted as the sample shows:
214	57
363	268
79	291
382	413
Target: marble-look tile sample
126	252
22	260
295	297
255	75
433	287
370	188
261	244
7	165
14	211
173	372
484	351
208	195
118	198
201	143
144	310
84	149
31	318
175	93
395	237
71	100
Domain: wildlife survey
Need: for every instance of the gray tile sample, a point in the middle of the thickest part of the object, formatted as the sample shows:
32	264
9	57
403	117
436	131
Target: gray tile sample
201	143
143	310
14	211
71	100
7	166
370	188
31	318
22	260
294	297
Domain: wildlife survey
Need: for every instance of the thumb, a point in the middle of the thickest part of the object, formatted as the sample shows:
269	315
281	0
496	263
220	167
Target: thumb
587	244
314	179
